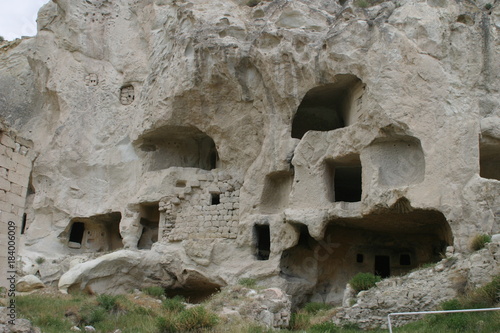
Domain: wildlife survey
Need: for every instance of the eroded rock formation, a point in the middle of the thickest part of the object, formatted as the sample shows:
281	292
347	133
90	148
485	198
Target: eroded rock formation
296	142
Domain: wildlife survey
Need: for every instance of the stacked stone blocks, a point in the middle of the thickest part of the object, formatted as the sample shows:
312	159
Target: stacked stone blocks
15	169
192	214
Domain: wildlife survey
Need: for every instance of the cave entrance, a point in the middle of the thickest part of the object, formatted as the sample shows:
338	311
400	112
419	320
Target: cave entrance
382	266
98	233
329	106
76	235
262	236
391	243
178	146
150	219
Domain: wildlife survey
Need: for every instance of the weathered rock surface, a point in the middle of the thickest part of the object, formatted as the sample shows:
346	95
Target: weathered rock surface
270	307
29	283
296	142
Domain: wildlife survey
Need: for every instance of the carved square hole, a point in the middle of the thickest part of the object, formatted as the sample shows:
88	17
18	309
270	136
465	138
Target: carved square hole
214	198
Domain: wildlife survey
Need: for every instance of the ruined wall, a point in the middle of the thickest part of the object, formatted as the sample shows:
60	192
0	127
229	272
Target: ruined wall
15	170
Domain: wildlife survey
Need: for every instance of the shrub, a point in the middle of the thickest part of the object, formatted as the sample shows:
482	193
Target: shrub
108	302
248	282
174	304
154	291
40	260
479	242
362	3
2	39
315	307
488	6
363	281
196	318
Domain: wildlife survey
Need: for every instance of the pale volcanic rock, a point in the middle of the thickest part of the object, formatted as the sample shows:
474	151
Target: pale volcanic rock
296	142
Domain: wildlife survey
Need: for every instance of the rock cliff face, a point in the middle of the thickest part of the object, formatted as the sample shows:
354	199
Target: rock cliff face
297	142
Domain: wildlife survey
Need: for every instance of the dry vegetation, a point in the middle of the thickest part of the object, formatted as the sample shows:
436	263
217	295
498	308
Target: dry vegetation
150	311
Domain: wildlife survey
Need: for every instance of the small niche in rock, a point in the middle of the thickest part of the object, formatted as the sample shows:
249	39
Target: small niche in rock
253	3
276	192
329	106
400	161
465	19
127	95
405	259
180	183
98	233
150	219
489	159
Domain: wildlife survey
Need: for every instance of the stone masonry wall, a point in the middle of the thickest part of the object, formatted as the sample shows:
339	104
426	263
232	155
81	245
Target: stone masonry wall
193	215
15	169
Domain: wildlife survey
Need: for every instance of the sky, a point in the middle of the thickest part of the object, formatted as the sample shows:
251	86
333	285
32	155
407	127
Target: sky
18	17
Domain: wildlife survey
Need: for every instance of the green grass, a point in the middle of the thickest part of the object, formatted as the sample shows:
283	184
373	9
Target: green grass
248	282
154	291
315	307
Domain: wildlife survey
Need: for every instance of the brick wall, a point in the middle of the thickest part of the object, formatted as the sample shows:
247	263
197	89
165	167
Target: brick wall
15	169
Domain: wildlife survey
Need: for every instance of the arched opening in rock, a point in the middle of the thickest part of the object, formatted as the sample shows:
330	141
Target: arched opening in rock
276	192
178	146
387	244
343	178
97	233
400	161
262	241
193	295
150	219
329	106
194	287
489	159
